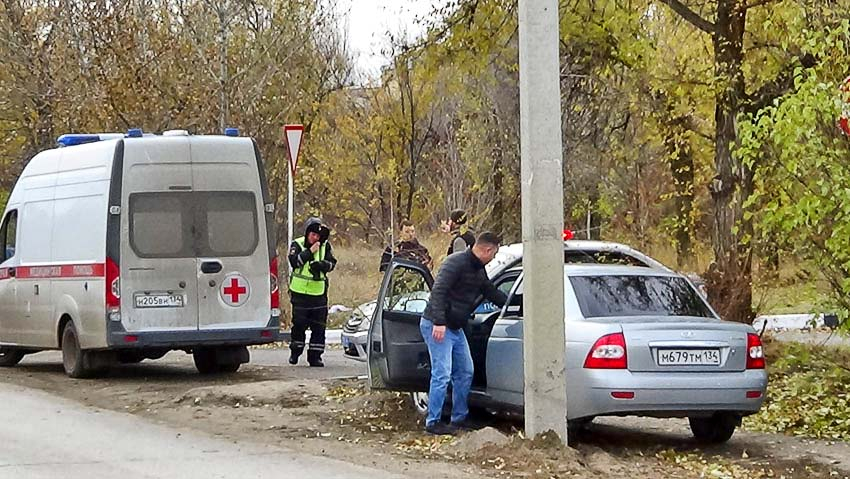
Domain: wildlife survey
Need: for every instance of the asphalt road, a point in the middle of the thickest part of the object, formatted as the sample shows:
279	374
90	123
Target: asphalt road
45	436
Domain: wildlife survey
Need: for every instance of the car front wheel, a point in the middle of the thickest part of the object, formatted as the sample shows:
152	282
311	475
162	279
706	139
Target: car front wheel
420	402
716	429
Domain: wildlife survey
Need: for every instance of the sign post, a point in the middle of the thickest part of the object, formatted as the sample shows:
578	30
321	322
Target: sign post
292	134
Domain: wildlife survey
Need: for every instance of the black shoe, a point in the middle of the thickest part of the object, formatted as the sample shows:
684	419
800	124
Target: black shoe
316	363
467	425
293	359
441	429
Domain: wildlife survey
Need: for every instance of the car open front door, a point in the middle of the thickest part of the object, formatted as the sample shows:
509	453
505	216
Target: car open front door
398	356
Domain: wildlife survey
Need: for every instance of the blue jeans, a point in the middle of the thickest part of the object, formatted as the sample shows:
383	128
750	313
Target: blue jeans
450	359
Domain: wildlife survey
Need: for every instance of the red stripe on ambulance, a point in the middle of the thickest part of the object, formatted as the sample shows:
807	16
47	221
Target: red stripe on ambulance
95	270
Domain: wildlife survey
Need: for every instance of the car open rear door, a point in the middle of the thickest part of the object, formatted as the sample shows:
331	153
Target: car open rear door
398	355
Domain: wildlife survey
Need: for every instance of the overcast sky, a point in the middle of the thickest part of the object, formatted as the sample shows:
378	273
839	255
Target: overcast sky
368	22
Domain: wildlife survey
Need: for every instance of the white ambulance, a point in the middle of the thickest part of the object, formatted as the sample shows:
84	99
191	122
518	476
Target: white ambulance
122	247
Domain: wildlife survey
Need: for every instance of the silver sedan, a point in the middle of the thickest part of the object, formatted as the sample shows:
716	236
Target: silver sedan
640	341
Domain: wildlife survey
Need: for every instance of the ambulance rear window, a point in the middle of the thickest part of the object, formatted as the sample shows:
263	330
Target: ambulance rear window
193	224
231	224
160	225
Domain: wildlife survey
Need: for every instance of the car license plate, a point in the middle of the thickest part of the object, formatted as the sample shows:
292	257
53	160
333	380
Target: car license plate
159	300
689	357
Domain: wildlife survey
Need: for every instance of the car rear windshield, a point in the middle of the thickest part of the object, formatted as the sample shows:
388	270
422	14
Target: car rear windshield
193	224
627	295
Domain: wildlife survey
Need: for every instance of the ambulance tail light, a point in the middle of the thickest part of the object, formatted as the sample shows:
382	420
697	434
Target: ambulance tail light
275	287
113	287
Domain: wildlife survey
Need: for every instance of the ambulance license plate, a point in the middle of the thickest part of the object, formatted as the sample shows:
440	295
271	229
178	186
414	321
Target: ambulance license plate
159	300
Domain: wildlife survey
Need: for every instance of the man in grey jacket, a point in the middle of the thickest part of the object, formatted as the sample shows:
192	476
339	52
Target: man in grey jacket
461	280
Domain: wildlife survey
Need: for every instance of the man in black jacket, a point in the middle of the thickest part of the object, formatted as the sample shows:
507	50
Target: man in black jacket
459	284
311	258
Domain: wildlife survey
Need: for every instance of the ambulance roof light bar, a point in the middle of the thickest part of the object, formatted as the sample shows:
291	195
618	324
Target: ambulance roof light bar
73	139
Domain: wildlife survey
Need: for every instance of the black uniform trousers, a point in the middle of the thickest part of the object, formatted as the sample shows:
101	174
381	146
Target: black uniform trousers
314	318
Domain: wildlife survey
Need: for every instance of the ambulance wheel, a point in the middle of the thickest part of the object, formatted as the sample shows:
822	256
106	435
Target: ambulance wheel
229	368
10	357
74	360
205	361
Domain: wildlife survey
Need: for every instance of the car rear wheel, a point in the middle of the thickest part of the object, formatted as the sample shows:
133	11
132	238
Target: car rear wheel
10	357
715	429
74	359
205	361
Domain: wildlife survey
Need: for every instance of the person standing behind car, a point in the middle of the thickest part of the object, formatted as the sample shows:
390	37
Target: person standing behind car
408	248
311	258
460	282
462	236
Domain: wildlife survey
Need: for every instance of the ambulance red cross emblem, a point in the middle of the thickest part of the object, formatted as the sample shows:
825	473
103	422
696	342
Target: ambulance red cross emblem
235	290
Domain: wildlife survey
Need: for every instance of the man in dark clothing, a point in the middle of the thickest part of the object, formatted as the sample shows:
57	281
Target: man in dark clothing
408	248
311	258
460	282
462	236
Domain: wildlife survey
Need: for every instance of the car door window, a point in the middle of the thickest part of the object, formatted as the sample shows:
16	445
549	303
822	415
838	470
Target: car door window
503	284
9	235
513	308
408	291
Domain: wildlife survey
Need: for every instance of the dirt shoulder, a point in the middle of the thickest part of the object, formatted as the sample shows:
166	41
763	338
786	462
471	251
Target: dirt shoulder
339	418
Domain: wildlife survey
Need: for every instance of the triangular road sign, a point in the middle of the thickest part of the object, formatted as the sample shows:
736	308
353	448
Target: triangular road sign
293	135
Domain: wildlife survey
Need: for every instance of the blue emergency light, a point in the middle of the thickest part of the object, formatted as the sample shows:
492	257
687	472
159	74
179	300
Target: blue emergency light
231	132
73	139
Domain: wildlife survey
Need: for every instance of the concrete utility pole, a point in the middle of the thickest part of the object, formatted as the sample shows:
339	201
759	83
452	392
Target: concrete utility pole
542	219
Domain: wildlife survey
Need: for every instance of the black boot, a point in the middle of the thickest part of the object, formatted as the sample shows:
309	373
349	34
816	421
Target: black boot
293	358
314	359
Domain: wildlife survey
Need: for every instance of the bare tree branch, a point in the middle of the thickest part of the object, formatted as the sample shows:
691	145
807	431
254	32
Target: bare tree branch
691	16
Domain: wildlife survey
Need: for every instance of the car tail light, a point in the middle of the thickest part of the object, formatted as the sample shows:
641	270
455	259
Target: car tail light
274	284
113	285
609	352
623	394
755	352
753	394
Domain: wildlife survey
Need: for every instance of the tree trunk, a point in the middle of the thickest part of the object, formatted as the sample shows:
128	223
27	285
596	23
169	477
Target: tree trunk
682	168
729	281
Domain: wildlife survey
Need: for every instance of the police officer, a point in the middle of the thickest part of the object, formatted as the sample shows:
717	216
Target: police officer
311	258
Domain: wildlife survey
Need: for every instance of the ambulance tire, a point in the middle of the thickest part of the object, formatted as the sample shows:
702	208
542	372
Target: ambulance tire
230	368
10	357
74	360
205	361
